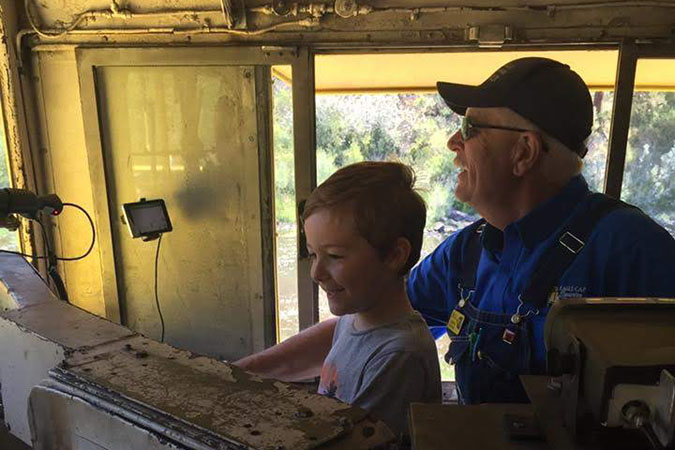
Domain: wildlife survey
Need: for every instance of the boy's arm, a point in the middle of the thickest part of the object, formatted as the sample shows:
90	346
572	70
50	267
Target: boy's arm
297	358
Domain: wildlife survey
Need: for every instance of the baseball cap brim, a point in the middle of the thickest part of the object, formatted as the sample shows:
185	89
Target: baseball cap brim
459	97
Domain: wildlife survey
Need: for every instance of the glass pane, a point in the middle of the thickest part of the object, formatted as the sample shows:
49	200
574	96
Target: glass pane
188	135
284	198
9	240
650	155
595	160
414	128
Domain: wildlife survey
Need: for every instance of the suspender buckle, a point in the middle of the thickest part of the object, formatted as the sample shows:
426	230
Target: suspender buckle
571	242
463	298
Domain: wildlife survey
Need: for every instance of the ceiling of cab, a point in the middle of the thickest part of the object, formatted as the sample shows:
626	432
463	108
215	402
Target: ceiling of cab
389	20
419	72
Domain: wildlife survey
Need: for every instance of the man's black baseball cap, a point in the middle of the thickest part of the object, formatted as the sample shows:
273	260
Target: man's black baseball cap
546	92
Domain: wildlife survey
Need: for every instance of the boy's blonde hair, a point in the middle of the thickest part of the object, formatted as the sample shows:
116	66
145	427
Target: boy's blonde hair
384	203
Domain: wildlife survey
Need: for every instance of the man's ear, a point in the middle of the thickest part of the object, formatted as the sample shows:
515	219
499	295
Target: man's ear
527	151
399	254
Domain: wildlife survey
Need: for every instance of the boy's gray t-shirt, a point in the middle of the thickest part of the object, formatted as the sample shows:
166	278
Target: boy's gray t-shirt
384	369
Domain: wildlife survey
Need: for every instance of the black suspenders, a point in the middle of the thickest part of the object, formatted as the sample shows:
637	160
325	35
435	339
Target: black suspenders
472	248
555	260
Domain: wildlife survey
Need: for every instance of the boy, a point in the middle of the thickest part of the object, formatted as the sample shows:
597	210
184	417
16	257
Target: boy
364	229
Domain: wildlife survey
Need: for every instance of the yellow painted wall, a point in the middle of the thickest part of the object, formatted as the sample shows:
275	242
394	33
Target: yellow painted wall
63	150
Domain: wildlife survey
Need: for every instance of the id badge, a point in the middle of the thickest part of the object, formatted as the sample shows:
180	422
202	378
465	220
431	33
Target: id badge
456	321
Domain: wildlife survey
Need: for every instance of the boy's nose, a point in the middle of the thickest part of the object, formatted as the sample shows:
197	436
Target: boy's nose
318	271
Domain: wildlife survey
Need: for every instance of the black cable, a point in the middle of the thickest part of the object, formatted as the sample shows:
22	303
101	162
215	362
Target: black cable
91	246
44	237
93	234
52	270
159	309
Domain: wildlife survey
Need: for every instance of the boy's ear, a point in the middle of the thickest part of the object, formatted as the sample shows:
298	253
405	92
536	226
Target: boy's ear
399	254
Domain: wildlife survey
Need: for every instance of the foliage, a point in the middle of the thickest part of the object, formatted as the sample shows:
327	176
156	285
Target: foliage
650	157
351	128
8	239
414	128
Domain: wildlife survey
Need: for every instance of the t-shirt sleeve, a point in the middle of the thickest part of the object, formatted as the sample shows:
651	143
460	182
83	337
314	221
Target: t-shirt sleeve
428	285
391	382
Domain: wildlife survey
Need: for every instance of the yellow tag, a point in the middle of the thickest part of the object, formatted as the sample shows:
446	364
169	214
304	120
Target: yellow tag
456	321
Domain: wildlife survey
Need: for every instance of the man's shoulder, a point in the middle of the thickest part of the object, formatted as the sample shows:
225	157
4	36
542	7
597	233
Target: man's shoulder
631	226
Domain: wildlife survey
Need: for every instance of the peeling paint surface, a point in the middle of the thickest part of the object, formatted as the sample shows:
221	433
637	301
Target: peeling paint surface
18	286
181	133
263	414
69	326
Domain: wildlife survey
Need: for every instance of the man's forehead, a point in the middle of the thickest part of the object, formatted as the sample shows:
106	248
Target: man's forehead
493	115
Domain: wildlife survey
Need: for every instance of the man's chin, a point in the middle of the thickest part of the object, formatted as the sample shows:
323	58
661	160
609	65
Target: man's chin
462	195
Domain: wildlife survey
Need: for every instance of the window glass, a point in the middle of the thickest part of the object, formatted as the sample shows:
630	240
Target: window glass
9	240
650	154
284	198
413	127
595	160
385	106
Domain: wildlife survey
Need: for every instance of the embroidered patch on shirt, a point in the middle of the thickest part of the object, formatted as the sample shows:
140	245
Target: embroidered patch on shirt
563	292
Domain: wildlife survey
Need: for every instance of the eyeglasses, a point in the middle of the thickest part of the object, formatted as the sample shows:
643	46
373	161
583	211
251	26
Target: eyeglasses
469	127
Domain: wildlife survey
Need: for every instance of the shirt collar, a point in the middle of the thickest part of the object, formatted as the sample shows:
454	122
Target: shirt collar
542	221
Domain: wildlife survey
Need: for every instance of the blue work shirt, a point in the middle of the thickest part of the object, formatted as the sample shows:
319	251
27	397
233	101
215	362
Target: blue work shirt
626	255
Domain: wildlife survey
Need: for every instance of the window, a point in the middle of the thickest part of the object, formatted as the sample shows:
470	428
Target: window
384	106
9	240
650	154
284	200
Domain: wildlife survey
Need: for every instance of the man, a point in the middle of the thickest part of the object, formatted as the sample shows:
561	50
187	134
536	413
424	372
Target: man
544	236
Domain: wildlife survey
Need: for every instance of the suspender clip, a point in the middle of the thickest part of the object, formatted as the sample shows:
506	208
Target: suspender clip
463	298
518	317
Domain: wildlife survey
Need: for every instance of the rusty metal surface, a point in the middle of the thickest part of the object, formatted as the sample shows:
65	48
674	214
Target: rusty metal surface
439	21
20	284
454	427
66	325
214	396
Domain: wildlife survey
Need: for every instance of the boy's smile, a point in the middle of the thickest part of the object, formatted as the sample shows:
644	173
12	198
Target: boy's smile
344	264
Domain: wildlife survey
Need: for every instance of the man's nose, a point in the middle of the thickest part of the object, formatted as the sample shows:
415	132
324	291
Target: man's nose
456	143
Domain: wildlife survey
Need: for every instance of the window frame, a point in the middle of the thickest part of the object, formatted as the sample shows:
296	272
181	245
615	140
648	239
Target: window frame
305	150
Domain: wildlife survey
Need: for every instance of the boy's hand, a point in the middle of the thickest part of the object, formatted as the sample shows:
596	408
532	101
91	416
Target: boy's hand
297	358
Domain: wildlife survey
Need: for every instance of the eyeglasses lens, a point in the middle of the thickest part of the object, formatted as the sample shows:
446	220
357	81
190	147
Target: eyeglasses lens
465	129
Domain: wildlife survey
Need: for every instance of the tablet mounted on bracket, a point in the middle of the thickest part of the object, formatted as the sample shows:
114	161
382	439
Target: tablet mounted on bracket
147	219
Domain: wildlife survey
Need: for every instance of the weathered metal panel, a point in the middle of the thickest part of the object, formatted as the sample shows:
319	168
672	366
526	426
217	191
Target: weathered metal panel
304	135
18	288
25	360
71	327
210	395
60	420
419	21
36	330
187	134
16	119
67	174
263	95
